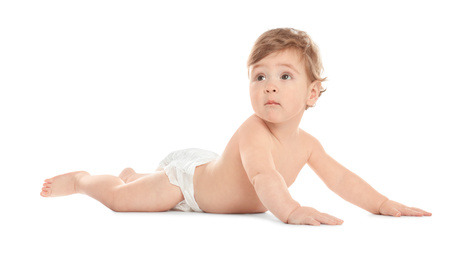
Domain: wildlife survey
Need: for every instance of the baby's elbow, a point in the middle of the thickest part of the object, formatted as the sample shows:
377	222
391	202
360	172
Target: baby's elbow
260	177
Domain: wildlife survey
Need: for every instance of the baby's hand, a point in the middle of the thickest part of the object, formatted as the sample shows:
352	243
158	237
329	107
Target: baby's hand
310	216
395	209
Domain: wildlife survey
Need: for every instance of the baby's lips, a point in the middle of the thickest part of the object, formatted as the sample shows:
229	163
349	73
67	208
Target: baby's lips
271	102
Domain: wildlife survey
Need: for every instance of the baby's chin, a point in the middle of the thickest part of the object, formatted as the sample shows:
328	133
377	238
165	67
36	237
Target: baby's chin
275	118
279	118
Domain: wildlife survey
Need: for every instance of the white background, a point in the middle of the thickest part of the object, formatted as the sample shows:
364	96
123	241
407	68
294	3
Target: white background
104	85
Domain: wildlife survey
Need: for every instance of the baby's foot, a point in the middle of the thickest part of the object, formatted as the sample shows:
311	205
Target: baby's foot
62	185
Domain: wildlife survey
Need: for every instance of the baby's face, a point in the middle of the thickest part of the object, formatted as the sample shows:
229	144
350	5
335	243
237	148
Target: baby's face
279	87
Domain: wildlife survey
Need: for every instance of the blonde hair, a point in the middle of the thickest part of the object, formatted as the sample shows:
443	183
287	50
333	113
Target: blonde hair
276	40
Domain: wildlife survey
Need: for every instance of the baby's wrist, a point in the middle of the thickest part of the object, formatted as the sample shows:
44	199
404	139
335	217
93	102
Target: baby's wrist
380	205
291	213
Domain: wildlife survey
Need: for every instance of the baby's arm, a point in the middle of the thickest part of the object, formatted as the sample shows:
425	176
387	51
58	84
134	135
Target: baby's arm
270	186
354	189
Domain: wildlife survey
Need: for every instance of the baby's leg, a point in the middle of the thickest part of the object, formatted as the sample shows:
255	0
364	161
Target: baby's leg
150	193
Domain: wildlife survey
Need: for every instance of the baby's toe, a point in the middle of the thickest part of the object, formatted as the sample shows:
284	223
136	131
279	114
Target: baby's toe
45	192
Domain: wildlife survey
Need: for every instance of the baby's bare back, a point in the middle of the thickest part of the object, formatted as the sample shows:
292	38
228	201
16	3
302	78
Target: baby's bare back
223	186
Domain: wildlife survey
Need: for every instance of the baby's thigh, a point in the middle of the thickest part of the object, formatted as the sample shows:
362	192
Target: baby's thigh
150	193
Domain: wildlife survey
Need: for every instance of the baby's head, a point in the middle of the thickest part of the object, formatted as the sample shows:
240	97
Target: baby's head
277	40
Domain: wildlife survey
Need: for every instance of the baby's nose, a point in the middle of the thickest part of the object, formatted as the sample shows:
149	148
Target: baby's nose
270	88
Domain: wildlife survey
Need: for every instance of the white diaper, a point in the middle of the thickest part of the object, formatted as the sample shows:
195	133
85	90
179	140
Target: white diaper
179	166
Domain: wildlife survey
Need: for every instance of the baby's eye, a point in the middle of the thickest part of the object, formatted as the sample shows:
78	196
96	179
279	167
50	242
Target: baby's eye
260	78
285	77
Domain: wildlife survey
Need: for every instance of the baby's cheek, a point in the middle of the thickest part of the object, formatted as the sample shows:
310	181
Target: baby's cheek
297	101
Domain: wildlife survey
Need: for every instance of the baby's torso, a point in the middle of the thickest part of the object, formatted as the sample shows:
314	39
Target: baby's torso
222	186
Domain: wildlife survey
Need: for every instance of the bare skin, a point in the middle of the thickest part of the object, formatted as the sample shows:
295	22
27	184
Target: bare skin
261	160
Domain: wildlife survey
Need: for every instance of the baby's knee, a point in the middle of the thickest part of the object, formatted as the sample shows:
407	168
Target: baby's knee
128	170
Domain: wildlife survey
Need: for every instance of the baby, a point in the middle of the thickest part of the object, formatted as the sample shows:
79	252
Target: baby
261	160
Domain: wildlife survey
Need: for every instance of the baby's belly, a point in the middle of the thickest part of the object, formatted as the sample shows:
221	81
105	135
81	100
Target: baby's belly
216	191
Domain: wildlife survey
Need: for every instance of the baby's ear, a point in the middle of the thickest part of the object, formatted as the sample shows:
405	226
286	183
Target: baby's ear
318	84
315	89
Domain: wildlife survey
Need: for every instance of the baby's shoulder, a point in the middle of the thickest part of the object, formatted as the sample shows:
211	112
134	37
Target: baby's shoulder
307	141
303	135
253	132
312	146
254	126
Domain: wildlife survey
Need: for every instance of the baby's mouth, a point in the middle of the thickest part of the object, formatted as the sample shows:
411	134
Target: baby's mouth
272	103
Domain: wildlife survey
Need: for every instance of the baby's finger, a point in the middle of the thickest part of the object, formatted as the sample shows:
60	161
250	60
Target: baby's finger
411	212
326	219
392	212
312	221
425	213
335	219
